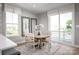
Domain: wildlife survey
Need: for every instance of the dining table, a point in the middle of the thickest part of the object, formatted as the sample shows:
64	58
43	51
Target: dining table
41	38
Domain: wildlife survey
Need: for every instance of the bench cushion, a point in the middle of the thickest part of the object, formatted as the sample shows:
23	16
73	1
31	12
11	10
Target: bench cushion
11	51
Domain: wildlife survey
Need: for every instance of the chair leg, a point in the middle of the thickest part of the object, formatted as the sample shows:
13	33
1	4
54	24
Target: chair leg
32	46
50	46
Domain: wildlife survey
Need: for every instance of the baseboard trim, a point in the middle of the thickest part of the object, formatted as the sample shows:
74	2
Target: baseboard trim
21	43
76	46
72	45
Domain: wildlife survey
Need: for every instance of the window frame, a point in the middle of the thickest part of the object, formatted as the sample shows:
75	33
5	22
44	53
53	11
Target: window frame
16	24
22	29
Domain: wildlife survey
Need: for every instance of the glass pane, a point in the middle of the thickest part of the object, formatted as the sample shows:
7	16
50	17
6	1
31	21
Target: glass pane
8	17
25	25
15	18
55	35
54	27
33	25
54	23
11	24
11	30
15	29
62	34
66	26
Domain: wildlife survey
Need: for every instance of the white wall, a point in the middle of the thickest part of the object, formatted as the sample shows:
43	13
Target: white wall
43	19
26	14
77	23
0	19
23	13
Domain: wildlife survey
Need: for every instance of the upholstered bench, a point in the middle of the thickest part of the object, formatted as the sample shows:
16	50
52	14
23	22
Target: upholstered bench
11	51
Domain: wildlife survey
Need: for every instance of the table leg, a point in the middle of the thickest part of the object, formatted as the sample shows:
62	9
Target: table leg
0	52
40	45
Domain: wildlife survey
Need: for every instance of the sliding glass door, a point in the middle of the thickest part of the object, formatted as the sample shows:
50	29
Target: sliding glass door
66	26
54	26
60	26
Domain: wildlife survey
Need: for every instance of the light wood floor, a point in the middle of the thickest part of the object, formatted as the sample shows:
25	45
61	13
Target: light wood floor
67	50
56	49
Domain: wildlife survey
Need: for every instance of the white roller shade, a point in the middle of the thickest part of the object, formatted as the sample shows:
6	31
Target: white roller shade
66	9
18	10
13	9
53	12
9	8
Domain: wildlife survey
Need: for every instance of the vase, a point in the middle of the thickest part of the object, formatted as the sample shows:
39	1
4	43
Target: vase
38	33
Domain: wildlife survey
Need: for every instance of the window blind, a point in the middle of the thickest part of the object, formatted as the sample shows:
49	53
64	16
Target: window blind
13	9
53	12
68	8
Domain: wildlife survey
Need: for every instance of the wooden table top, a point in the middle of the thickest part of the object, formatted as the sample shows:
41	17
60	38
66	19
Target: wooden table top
41	36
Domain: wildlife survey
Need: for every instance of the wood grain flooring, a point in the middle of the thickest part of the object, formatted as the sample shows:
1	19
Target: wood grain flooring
56	49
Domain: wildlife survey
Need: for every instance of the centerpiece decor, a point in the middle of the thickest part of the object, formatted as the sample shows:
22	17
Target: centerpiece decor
38	28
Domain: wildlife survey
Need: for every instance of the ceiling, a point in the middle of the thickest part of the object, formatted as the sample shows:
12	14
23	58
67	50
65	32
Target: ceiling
37	8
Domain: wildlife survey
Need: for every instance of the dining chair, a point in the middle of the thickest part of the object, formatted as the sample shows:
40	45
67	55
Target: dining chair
30	41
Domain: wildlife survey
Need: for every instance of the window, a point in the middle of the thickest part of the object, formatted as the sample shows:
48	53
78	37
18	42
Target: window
11	24
60	26
65	20
25	25
66	26
54	26
54	23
